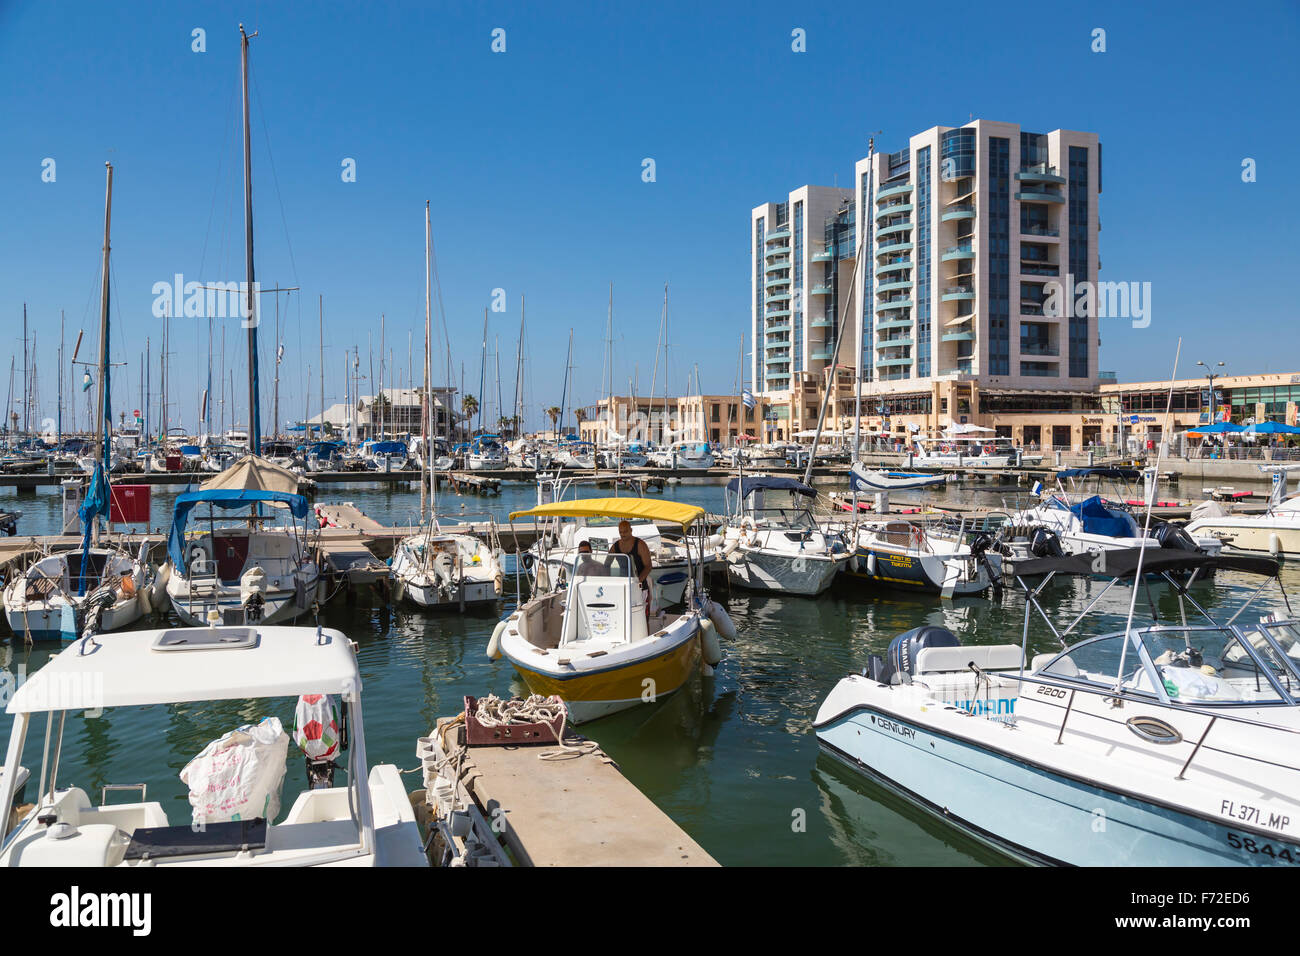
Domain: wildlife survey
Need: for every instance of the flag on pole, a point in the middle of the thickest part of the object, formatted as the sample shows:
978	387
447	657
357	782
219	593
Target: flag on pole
748	398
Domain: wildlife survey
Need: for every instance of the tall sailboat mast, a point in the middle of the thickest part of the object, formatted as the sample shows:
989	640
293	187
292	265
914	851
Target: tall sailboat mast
426	402
250	314
104	418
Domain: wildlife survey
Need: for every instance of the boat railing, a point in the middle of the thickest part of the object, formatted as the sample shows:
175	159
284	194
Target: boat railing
1120	693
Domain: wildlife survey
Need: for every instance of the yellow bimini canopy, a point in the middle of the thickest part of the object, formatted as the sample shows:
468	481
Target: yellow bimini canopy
651	508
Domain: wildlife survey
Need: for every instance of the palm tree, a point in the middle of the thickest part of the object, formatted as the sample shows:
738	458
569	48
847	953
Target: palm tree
469	405
554	413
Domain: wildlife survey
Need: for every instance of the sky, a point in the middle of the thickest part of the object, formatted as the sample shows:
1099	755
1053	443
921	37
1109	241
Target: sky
532	160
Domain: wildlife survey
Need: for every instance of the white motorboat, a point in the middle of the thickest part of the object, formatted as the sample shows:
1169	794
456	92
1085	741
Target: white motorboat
870	481
772	542
898	553
1168	745
967	450
366	822
385	455
440	569
687	455
1275	532
595	642
486	454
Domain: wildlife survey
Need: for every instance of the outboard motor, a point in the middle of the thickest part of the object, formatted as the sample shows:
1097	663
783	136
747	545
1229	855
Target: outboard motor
321	734
900	662
1172	536
1045	544
979	549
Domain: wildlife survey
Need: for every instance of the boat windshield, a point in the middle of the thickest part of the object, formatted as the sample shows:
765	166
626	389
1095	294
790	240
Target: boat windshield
798	519
601	566
1189	665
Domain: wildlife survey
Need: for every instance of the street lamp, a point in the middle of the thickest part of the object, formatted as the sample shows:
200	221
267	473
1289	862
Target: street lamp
1211	375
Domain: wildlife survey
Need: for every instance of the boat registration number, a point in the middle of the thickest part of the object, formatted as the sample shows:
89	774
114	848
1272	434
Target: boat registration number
1262	848
1250	814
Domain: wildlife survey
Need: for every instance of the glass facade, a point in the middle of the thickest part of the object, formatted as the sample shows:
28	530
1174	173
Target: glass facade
957	154
923	250
760	338
868	289
1033	150
1078	199
999	251
796	293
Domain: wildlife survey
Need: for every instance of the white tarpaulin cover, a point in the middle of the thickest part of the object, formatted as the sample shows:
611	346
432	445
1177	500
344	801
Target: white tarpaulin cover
251	473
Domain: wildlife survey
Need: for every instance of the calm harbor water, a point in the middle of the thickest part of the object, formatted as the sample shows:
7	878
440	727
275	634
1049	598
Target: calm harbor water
732	758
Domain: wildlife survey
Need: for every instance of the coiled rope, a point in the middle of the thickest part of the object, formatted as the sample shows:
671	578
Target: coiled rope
492	711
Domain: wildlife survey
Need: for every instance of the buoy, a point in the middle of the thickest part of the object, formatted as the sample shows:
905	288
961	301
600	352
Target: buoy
709	645
722	621
494	643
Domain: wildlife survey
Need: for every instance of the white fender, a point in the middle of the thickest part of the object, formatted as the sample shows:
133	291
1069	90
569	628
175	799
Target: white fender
871	564
722	621
143	600
160	578
709	645
853	562
543	577
494	643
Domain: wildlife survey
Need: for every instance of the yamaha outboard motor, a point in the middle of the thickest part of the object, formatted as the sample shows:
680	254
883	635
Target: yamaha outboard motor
1172	536
900	662
1045	544
979	548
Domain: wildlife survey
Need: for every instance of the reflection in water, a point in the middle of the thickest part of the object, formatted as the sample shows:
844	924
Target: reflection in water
732	757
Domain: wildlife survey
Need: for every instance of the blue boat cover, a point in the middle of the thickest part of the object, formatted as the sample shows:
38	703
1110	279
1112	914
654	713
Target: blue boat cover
1098	519
388	448
223	498
767	483
95	503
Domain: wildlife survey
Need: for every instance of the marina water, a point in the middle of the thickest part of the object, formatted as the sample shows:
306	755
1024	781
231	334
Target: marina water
732	759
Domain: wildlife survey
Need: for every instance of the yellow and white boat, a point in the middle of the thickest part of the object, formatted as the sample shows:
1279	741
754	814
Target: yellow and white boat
592	642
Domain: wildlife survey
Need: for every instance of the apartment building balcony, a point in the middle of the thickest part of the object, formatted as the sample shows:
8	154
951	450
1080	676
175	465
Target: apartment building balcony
1039	269
958	293
893	209
781	234
773	283
893	284
957	252
1040	173
895	361
826	255
894	343
894	265
782	262
775	344
957	337
1050	351
964	210
883	325
891	228
822	322
899	302
776	313
1040	231
778	360
1040	194
821	290
779	297
883	250
889	191
774	327
776	376
821	354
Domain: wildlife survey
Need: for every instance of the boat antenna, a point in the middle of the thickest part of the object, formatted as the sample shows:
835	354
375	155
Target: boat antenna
1146	527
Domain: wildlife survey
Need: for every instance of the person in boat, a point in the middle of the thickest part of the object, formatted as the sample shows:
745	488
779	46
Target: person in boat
588	564
630	545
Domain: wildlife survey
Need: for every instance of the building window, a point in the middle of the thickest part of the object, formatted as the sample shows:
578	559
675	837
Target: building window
1079	324
999	322
923	262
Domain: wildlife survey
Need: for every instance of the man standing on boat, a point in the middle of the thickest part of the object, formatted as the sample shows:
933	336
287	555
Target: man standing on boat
633	547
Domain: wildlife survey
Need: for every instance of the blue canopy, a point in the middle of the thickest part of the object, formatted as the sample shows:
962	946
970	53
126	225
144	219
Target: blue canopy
388	448
748	485
1217	428
1130	474
227	498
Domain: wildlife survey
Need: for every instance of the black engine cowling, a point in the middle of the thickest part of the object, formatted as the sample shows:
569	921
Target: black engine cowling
900	662
1172	536
1045	544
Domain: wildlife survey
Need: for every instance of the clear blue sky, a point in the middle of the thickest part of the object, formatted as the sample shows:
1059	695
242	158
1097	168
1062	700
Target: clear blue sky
532	161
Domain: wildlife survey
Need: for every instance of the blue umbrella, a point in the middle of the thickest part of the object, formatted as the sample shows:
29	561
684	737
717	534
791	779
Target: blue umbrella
1218	428
1273	428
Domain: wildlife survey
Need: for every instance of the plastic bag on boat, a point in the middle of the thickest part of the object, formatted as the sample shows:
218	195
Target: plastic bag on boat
239	776
316	727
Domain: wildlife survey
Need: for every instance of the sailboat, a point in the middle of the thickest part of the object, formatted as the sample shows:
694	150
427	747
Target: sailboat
437	569
92	589
251	572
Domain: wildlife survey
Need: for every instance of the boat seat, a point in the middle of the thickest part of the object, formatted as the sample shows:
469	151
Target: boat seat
226	837
930	660
38	589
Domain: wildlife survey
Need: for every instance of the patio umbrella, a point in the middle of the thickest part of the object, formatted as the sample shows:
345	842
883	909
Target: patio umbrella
1272	428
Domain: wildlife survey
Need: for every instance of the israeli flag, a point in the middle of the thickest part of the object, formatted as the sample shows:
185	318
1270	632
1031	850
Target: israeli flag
748	398
1037	490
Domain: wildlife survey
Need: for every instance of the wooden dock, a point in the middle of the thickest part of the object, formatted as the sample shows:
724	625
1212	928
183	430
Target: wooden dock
576	811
